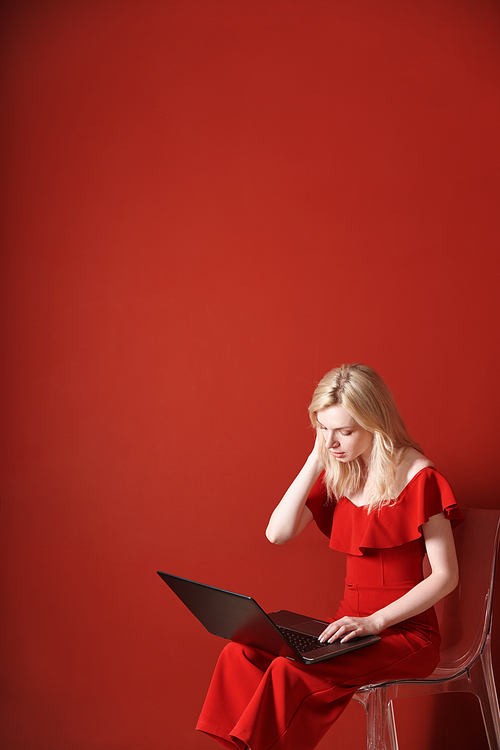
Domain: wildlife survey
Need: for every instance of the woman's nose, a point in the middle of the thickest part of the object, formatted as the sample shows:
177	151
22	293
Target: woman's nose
331	441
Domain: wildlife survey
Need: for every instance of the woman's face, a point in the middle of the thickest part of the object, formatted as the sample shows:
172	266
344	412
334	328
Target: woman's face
344	437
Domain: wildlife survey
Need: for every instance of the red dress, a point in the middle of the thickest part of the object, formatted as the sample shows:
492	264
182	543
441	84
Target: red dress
266	702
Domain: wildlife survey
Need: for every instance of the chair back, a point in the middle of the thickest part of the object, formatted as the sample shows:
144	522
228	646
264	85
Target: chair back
465	614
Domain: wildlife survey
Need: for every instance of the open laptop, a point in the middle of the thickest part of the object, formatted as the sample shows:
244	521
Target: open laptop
239	618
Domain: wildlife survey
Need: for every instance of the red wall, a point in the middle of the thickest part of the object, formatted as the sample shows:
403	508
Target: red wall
206	205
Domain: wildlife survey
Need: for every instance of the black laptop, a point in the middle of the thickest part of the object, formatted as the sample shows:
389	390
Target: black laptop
239	618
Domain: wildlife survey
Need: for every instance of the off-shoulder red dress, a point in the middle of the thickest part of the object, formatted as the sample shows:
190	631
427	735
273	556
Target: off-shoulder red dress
266	702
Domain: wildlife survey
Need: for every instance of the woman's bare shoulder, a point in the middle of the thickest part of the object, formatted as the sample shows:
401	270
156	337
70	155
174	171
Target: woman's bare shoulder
410	464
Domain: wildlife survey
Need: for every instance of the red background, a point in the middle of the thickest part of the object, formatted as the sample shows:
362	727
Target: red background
206	205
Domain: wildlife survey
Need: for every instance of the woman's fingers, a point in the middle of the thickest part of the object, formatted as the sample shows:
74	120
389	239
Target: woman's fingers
333	632
342	630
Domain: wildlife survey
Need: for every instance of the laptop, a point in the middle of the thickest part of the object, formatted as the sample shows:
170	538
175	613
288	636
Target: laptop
239	618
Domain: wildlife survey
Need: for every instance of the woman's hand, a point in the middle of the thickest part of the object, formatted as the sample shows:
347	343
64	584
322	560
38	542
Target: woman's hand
316	451
346	628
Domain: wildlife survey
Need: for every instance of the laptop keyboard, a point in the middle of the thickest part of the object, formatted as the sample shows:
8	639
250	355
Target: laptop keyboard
303	643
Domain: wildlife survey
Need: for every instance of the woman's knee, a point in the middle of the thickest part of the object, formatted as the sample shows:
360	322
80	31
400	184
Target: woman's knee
239	653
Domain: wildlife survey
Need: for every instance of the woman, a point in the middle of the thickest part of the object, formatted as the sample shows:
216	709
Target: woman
370	489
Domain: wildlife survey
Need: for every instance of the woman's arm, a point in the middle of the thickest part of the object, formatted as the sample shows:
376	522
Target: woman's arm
291	516
442	580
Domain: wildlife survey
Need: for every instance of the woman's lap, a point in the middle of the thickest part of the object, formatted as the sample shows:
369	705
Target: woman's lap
265	701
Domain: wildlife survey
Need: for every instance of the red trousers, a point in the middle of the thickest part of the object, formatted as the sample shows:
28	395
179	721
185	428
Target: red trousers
266	702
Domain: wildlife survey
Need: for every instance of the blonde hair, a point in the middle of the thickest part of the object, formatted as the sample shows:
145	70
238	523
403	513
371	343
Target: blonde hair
365	396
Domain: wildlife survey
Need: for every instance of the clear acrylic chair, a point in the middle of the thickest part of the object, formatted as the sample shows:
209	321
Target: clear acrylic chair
465	619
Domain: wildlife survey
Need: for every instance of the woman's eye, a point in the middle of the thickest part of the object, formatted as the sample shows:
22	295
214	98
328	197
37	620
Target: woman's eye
346	434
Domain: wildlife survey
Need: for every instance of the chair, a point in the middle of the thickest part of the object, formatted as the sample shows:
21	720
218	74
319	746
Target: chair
465	618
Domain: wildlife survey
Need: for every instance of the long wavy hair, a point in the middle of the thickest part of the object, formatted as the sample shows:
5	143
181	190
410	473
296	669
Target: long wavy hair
365	396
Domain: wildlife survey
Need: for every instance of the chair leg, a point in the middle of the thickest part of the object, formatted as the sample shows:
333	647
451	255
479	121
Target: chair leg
379	709
391	726
483	684
375	707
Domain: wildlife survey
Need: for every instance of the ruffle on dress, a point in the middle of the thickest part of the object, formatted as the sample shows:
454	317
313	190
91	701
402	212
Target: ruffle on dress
355	530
